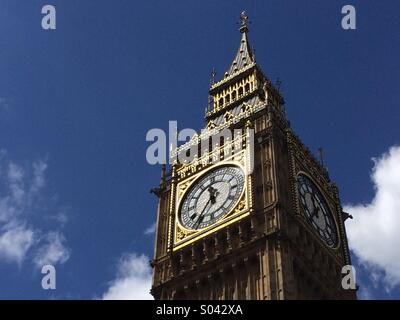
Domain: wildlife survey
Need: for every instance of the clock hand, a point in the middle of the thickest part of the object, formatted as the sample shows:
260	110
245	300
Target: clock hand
313	213
200	218
316	212
211	199
213	194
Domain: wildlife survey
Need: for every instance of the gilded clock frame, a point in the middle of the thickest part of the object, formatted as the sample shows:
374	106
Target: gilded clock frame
183	236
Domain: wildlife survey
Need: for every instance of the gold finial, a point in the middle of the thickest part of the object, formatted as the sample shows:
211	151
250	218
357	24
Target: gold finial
244	22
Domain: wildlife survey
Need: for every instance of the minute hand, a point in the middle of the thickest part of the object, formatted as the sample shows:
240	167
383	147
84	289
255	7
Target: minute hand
201	214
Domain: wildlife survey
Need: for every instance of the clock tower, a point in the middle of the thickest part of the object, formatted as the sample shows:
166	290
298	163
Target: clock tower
246	212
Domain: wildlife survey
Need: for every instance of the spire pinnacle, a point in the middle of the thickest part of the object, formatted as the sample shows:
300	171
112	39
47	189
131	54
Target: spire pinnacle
244	56
244	22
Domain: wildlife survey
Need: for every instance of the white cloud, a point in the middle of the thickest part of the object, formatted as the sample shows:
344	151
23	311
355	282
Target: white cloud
374	233
15	180
150	230
39	169
365	293
53	251
21	207
133	279
14	244
61	217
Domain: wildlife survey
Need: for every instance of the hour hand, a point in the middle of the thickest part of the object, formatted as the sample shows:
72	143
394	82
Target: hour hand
213	194
315	212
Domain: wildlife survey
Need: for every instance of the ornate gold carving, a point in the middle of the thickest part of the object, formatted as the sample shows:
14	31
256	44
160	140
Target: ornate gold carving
184	236
217	84
212	128
183	186
235	147
228	116
240	206
180	233
246	107
211	125
248	124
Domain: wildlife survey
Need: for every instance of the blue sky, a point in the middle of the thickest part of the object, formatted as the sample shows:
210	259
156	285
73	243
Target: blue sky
76	104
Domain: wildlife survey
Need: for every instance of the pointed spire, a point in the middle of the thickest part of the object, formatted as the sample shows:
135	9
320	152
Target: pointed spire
244	22
245	55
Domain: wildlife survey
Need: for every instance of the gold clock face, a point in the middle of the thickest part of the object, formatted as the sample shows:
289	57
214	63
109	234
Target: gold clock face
317	211
212	197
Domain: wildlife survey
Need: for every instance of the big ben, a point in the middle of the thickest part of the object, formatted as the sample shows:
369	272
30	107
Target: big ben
252	215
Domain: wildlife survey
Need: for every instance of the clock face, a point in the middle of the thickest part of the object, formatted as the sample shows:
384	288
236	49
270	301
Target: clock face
317	211
212	197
